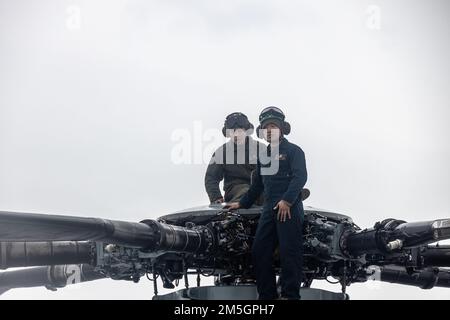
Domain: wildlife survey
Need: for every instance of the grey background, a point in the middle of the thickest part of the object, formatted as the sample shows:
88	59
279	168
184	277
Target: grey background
86	114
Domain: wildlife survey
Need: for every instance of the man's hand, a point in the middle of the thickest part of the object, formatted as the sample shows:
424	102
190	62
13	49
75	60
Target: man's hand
220	200
232	206
284	209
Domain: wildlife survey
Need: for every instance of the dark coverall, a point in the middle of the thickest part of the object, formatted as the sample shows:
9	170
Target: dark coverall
286	185
236	174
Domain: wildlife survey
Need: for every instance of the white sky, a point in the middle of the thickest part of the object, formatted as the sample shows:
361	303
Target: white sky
87	110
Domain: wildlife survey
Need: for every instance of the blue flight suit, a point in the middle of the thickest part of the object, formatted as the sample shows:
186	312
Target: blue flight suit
286	184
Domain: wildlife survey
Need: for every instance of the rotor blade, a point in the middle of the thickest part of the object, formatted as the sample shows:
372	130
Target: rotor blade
436	255
16	226
415	234
33	277
383	238
425	279
28	254
51	277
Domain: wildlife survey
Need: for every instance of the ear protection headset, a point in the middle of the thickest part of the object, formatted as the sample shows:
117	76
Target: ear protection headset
276	114
237	120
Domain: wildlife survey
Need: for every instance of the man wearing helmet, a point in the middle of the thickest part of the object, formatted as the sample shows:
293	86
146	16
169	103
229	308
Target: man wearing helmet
282	216
234	161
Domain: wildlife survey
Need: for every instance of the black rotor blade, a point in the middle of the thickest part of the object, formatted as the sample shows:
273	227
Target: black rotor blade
436	255
381	238
17	226
30	254
424	279
51	277
415	234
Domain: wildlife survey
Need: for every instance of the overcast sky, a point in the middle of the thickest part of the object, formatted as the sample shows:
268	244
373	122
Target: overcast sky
91	93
